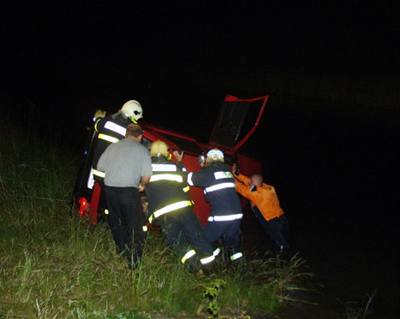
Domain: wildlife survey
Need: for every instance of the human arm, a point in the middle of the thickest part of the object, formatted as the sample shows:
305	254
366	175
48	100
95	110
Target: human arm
103	160
147	170
178	156
240	177
197	179
99	119
143	182
243	189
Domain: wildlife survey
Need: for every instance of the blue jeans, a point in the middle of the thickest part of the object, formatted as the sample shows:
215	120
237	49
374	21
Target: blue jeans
277	229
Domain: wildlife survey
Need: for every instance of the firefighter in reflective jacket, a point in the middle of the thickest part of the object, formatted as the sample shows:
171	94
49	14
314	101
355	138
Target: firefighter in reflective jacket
171	206
111	129
226	212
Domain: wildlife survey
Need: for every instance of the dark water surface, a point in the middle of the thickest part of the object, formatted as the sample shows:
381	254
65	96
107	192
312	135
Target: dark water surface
335	175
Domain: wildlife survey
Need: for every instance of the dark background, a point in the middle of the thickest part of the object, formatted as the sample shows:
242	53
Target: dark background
330	135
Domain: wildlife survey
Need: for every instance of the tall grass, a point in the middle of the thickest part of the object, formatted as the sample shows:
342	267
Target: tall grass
53	265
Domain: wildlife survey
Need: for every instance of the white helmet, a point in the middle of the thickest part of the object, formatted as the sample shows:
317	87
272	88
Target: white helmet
132	110
215	155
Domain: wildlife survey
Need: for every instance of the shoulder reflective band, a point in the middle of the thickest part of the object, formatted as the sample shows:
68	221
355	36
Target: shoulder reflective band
207	260
115	128
219	187
222	175
188	255
236	256
224	218
98	173
189	179
186	189
164	167
106	212
172	207
216	252
166	177
108	138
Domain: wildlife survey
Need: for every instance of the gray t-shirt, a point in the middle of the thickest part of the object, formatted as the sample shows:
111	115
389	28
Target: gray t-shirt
124	163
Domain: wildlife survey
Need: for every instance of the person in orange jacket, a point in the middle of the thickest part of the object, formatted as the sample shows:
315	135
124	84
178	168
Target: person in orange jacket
264	203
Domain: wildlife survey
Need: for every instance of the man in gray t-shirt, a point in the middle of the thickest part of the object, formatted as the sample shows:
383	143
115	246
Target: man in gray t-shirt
127	166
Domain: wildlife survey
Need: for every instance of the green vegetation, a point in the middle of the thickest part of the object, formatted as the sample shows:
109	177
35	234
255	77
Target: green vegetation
53	265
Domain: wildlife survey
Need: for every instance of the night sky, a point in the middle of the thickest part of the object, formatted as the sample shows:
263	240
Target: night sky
329	146
100	54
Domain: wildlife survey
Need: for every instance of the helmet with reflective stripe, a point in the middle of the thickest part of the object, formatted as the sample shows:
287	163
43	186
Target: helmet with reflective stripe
132	110
215	155
159	148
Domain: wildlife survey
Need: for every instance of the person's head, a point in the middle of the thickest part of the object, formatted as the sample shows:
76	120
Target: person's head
158	149
132	110
256	180
214	156
134	132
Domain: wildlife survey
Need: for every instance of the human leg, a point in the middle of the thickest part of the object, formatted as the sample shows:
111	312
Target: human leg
114	218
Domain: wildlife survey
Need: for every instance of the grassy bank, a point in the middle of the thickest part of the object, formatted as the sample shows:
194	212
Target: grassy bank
53	265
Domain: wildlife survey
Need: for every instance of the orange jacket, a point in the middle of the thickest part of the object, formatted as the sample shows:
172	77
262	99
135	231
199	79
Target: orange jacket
265	197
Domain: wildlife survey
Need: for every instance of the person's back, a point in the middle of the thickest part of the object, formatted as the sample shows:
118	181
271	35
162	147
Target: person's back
123	163
166	185
219	189
263	196
127	165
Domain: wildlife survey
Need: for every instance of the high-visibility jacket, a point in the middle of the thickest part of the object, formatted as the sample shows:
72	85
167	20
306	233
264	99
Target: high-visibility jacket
219	189
167	191
109	130
263	197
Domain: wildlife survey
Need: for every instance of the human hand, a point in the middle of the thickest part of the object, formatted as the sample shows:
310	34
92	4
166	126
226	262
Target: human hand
99	114
235	169
178	155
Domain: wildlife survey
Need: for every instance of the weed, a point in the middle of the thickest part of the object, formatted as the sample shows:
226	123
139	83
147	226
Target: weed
53	265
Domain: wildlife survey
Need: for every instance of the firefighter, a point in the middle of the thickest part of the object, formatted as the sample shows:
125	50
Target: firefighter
111	129
226	213
265	205
171	207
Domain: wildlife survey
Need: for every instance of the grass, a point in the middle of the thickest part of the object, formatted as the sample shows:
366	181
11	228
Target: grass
357	310
53	265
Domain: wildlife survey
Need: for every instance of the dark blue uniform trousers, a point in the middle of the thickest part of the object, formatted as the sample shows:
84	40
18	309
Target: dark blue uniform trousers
227	231
182	230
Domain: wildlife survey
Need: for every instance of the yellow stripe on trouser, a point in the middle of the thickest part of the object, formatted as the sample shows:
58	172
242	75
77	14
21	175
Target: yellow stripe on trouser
207	260
236	256
108	138
186	189
170	208
188	255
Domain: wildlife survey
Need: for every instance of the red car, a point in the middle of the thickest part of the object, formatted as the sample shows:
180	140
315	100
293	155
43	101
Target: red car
237	121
